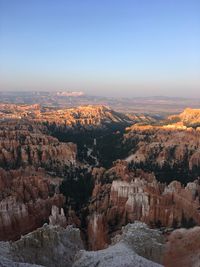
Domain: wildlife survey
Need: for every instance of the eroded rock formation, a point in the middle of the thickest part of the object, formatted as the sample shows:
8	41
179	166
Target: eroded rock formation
57	217
127	196
26	200
47	246
129	191
28	192
29	146
170	152
189	117
89	115
132	248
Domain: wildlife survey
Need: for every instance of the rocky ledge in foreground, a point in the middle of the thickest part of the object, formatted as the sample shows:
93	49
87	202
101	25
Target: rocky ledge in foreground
52	246
47	246
136	246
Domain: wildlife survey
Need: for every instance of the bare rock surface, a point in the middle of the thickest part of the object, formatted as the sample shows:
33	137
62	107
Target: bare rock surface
52	246
146	242
183	248
47	246
137	246
4	262
118	255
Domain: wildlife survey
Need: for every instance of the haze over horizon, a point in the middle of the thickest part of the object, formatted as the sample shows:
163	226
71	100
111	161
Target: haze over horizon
108	48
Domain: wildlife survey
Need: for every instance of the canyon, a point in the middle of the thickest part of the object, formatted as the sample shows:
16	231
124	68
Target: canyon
100	170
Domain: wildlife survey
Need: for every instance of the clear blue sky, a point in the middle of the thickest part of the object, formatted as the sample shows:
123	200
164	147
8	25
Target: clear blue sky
103	47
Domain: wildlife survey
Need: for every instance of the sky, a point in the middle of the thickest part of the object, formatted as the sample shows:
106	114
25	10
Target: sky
102	47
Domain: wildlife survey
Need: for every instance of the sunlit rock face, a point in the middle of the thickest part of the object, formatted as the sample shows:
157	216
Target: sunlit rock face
174	143
132	196
163	140
189	117
84	116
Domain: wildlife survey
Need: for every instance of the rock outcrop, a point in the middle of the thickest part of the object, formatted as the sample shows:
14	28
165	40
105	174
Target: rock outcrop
131	249
55	246
48	246
183	248
4	262
57	217
189	117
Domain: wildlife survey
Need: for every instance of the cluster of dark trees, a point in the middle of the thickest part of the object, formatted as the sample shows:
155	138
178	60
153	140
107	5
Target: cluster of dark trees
77	186
107	147
167	172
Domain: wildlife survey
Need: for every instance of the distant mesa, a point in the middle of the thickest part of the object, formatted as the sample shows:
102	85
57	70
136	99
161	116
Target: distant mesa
69	93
